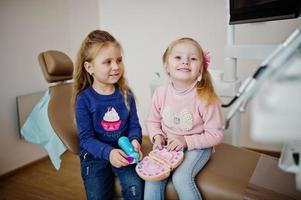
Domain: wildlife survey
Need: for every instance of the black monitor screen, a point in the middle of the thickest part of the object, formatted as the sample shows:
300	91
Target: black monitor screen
247	11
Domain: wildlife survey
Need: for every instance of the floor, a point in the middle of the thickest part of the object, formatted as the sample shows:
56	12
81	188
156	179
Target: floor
41	181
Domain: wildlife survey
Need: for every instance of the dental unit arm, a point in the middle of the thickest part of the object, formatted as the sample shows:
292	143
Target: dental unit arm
272	66
276	109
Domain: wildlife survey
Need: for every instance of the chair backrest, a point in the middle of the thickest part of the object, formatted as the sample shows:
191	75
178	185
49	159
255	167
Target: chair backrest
57	68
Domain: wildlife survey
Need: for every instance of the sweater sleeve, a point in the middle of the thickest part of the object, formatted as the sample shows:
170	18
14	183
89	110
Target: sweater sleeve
85	129
134	125
212	134
153	121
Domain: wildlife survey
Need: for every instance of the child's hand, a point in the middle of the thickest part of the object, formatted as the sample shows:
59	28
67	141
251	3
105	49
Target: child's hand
137	148
159	141
176	144
118	158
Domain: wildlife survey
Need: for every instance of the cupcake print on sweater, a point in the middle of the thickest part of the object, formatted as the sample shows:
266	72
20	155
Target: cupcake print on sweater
111	120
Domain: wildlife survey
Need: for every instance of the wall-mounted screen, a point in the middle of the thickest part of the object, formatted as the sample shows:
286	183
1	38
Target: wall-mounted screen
247	11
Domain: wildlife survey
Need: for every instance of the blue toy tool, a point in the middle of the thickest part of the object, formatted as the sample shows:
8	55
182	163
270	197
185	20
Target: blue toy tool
127	147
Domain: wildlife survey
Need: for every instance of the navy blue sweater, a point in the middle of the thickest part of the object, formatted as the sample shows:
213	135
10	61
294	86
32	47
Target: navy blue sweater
103	119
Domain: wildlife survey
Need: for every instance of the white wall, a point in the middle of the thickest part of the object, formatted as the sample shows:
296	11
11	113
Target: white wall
145	28
28	28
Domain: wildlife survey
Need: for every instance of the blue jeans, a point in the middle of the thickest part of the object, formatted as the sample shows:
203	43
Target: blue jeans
98	176
182	178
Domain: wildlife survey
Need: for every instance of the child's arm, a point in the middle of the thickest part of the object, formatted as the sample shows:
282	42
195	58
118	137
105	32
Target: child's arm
212	134
153	121
86	132
134	128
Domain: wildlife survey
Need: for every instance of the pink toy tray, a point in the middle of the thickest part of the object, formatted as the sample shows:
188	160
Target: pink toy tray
158	164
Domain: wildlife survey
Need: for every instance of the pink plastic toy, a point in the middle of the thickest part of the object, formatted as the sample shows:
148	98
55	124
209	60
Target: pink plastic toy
158	164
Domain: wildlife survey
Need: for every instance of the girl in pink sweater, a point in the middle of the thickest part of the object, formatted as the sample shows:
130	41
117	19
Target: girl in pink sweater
185	114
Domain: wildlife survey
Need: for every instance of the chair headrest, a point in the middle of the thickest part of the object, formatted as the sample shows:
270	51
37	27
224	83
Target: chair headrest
56	66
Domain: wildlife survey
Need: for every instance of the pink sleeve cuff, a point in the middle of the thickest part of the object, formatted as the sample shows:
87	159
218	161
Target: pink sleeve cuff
190	143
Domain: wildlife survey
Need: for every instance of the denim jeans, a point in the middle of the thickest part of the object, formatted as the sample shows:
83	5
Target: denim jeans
182	178
98	176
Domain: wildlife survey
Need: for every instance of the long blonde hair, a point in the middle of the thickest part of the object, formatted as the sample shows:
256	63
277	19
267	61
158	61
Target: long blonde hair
88	50
204	88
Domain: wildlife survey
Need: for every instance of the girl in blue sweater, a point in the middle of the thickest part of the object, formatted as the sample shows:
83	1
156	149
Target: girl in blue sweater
105	110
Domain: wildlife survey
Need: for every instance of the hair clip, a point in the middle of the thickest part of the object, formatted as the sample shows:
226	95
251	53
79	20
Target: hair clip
206	59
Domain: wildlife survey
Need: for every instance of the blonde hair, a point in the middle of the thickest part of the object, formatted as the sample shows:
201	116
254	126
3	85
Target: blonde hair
204	88
88	50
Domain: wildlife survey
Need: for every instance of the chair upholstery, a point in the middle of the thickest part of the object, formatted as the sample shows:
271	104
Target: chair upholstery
57	68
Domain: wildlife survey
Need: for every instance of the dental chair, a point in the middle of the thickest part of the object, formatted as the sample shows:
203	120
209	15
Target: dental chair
231	173
57	69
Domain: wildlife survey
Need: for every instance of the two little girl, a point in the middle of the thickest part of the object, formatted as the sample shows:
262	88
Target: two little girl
184	114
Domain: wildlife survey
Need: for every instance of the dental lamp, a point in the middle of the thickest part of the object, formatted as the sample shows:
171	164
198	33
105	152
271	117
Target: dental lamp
276	107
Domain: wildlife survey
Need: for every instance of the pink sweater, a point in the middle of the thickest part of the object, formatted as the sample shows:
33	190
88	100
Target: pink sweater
178	114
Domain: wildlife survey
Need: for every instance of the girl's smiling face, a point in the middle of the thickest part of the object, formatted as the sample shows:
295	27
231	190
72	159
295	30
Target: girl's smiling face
107	67
184	64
